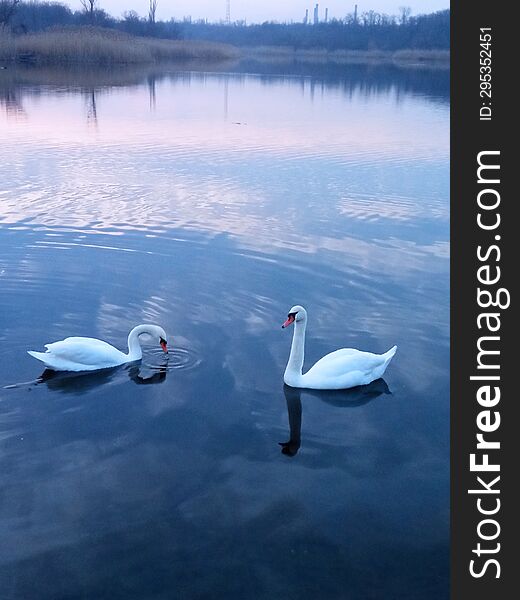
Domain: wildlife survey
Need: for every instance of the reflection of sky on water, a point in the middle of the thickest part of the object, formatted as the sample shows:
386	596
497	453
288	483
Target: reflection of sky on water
180	216
278	116
190	168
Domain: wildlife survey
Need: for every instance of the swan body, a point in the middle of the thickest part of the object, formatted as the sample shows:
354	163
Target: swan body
90	354
338	370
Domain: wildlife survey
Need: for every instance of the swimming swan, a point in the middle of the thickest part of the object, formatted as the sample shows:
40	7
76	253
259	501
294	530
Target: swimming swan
90	354
338	370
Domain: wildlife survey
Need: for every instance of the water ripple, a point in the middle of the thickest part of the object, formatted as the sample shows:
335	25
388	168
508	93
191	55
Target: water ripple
178	359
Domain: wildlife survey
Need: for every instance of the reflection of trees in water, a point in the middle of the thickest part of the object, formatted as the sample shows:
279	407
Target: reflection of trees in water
92	117
11	99
351	79
152	92
366	79
226	98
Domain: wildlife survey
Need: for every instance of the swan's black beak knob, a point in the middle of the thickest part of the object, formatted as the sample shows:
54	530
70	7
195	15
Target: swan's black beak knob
290	319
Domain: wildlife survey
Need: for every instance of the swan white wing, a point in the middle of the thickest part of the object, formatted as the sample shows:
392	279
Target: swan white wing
346	360
85	351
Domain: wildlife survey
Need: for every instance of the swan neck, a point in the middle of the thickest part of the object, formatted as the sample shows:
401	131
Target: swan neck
295	364
134	345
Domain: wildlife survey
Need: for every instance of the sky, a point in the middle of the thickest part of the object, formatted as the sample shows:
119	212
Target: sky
262	10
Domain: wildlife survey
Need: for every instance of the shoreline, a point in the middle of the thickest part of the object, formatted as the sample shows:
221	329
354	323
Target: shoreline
95	46
89	46
408	56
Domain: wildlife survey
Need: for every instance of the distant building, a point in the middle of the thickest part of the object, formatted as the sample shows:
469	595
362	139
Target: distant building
306	18
316	17
326	15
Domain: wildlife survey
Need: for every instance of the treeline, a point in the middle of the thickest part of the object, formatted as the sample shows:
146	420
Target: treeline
35	16
367	31
430	32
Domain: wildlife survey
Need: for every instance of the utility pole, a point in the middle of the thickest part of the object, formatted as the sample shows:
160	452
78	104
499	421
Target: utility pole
228	12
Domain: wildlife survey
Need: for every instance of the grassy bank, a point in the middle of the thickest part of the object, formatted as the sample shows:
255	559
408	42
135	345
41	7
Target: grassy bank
411	56
93	45
98	46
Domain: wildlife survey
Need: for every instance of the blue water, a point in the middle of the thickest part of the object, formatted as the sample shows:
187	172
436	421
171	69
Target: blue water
210	203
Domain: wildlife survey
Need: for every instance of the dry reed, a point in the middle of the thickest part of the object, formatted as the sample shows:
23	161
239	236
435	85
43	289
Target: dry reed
94	45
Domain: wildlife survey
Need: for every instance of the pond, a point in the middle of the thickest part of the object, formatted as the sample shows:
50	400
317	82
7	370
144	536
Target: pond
210	202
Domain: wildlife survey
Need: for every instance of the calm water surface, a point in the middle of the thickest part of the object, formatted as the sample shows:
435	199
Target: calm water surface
210	203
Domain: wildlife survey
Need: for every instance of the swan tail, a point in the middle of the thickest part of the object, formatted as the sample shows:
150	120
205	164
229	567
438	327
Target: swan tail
51	362
389	355
38	355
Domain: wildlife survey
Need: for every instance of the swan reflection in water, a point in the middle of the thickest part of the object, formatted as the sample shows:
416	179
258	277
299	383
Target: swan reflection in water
350	398
78	383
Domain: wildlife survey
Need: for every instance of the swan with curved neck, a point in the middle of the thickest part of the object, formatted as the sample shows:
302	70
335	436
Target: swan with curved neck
338	370
91	354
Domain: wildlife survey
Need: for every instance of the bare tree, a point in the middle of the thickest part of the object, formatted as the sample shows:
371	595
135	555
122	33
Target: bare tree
370	18
152	10
7	10
404	14
90	7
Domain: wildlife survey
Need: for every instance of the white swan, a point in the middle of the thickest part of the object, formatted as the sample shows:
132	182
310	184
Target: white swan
338	370
90	354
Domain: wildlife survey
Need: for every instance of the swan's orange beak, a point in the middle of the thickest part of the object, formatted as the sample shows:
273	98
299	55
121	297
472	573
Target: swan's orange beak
164	346
290	319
